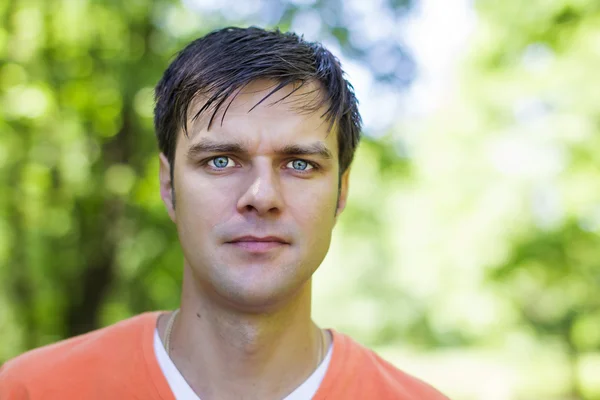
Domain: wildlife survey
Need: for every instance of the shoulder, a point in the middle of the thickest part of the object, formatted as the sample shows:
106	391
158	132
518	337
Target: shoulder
91	354
378	375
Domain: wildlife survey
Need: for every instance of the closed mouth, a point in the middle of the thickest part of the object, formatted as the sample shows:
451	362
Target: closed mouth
258	245
255	239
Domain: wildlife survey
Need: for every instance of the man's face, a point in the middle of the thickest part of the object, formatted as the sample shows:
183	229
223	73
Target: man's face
256	196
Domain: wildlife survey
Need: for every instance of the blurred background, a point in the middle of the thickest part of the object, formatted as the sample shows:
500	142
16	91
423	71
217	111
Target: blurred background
469	254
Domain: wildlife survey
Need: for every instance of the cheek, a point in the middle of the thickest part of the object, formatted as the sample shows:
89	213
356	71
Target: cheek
199	202
314	207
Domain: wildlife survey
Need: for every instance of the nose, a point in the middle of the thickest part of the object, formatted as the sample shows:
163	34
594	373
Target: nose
263	193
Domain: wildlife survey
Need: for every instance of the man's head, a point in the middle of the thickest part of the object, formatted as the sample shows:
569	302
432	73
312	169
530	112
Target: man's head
244	119
215	66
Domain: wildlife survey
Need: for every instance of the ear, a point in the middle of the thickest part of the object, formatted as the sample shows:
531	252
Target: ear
167	193
343	196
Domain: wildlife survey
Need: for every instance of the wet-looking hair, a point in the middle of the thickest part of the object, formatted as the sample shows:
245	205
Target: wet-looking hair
221	63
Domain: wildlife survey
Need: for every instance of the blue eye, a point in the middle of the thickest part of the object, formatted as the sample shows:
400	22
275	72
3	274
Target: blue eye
300	165
220	162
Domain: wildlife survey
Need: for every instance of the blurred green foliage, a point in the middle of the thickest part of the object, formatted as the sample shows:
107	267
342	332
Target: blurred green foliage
475	229
540	91
501	212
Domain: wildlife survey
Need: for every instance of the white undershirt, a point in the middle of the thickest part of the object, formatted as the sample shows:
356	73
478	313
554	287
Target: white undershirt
182	390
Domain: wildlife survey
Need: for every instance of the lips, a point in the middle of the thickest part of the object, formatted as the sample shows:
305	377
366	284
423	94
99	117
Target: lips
259	239
255	244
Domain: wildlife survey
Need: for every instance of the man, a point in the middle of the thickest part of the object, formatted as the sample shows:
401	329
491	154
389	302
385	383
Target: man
257	130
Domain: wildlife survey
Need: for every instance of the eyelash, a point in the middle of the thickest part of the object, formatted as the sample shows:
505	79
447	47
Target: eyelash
205	162
315	167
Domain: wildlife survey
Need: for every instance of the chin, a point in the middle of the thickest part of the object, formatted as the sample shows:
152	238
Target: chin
261	293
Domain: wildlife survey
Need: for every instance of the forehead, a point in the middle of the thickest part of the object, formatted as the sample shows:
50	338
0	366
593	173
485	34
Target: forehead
294	112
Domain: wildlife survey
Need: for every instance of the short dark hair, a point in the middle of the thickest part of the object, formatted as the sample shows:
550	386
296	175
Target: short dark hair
226	60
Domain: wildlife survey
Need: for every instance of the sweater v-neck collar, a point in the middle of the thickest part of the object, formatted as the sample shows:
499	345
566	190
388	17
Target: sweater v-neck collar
162	391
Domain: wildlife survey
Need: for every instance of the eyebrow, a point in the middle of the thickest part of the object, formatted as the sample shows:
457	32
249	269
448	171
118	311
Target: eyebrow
315	149
209	146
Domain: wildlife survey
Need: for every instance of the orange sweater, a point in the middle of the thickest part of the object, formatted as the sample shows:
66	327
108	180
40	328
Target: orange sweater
118	362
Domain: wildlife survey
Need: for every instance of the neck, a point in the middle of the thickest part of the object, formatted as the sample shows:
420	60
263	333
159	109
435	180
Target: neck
224	353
